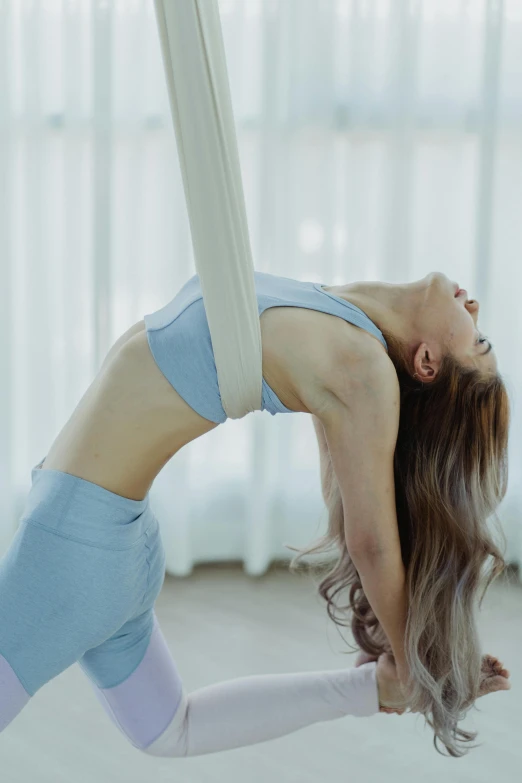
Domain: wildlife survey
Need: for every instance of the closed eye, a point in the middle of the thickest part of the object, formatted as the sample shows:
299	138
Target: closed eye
483	340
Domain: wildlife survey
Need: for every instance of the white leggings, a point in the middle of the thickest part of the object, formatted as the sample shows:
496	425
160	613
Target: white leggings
233	713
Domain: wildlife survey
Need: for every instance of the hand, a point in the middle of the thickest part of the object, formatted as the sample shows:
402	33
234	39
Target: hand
391	695
494	678
364	657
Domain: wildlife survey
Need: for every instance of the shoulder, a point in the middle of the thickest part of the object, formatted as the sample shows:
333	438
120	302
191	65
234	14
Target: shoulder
360	428
360	375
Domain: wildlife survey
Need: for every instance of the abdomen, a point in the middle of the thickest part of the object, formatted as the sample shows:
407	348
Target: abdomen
128	424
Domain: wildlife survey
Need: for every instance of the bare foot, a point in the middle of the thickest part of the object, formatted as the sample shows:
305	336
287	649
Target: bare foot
494	676
492	665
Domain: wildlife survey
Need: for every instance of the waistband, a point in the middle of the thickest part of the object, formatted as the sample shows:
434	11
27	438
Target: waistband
85	511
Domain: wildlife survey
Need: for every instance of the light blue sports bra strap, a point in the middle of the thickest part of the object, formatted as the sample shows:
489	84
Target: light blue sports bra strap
353	314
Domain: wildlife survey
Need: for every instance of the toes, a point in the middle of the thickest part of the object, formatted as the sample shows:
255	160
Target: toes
491	664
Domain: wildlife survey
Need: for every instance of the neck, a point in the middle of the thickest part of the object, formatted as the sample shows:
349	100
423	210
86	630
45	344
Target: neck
390	306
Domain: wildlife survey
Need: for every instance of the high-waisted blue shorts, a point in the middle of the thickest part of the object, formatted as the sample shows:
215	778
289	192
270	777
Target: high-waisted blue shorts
78	582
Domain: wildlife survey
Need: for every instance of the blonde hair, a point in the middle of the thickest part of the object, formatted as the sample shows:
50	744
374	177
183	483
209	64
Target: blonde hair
451	471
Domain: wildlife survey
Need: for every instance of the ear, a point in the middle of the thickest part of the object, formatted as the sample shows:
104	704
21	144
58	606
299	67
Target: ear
426	363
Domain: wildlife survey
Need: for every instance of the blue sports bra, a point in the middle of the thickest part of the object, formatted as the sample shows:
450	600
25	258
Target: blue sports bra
179	337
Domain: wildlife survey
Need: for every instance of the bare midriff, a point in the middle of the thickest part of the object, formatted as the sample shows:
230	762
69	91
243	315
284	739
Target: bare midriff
130	422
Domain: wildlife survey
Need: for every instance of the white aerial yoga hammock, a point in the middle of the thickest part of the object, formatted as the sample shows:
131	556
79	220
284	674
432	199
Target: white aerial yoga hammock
197	82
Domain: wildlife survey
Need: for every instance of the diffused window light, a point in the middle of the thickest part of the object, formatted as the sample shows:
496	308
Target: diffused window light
427	12
433	10
339	238
126	7
271	7
474	11
311	236
382	9
226	6
343	8
253	8
449	8
365	9
513	10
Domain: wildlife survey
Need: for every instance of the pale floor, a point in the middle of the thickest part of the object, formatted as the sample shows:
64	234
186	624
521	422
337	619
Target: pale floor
220	624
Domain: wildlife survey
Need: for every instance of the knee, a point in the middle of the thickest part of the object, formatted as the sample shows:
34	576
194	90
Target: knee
173	741
169	748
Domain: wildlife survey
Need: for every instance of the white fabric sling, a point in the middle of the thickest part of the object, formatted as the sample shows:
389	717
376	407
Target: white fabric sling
195	65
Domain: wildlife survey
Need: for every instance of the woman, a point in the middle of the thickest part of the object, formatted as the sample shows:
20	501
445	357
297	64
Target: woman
85	567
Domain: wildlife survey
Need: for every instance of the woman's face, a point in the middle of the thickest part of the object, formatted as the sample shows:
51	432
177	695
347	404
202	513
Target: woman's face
453	317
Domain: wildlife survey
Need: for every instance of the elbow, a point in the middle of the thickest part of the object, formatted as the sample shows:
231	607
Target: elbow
365	549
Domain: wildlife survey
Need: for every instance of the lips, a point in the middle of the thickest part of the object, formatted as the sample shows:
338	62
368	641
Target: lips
459	292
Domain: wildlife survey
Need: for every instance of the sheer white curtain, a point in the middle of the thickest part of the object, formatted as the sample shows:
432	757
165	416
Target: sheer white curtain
379	139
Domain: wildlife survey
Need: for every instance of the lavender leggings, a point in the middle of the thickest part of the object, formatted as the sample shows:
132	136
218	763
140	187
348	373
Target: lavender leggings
78	585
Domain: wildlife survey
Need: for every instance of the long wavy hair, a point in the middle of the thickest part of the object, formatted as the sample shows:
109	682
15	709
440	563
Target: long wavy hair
451	472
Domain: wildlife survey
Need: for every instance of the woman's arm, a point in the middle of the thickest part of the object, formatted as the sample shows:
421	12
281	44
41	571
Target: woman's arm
328	478
361	434
366	562
383	578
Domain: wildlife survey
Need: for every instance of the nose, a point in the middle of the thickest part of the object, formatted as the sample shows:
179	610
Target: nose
473	307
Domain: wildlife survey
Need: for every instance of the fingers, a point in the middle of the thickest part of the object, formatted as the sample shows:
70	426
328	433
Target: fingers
391	710
364	658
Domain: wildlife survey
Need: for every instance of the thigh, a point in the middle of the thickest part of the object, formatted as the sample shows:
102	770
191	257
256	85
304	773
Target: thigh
136	679
51	612
82	563
56	602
